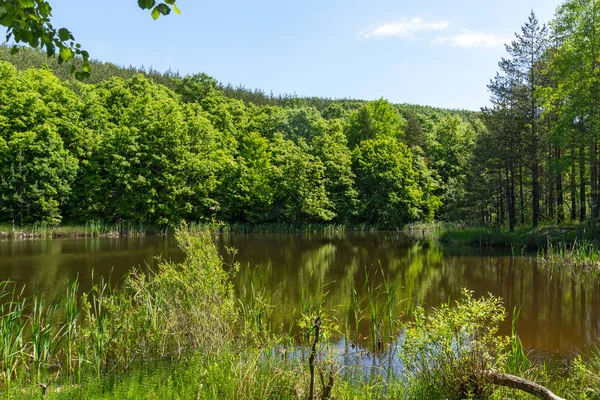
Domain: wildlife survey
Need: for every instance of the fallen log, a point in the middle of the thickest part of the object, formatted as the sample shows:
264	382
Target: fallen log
516	382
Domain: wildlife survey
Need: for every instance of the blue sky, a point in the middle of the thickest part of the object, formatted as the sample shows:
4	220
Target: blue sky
432	52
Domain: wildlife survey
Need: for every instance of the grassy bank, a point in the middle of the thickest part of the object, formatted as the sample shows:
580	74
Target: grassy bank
235	377
575	246
520	238
89	229
180	333
102	229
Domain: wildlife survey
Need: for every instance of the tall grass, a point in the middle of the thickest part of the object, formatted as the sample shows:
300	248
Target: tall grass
12	331
579	254
97	228
523	238
431	226
93	228
517	362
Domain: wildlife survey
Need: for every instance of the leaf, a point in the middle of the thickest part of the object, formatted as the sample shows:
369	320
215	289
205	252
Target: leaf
64	34
7	20
164	9
3	12
50	49
177	11
146	4
14	50
66	53
44	9
155	13
34	41
81	75
26	3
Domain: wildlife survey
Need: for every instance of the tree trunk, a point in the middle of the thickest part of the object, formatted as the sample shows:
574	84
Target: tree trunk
522	201
510	202
594	183
550	199
500	200
535	194
513	199
516	382
573	187
582	195
593	114
560	207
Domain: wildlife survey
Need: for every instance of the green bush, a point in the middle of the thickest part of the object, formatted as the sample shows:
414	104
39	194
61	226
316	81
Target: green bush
448	352
180	308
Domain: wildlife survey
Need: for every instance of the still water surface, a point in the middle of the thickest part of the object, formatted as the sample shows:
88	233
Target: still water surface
560	311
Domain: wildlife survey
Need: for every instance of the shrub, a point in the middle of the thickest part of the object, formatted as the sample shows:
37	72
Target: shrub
178	309
448	352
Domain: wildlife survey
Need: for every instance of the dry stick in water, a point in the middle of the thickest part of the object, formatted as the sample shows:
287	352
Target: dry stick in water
313	356
523	384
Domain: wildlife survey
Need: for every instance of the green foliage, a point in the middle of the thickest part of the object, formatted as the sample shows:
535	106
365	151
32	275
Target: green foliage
448	352
451	157
330	146
159	162
128	151
37	169
586	376
299	187
250	194
29	21
388	193
374	119
178	310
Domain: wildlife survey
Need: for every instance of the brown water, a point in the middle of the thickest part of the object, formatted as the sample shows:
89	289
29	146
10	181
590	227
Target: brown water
560	311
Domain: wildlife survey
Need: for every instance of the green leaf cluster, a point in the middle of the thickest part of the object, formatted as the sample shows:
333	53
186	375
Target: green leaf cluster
29	22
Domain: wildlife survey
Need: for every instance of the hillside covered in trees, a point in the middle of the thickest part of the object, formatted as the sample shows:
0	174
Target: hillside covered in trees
144	147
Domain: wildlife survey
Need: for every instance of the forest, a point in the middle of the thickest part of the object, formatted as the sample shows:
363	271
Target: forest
143	147
140	146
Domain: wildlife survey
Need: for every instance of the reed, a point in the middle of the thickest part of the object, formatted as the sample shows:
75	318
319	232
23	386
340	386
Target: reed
517	361
579	254
46	337
12	330
256	313
99	333
384	322
71	326
92	228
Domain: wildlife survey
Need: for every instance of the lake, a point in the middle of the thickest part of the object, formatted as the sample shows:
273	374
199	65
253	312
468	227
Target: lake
560	310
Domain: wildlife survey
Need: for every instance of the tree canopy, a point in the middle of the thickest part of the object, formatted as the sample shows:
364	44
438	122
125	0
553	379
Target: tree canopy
124	147
29	22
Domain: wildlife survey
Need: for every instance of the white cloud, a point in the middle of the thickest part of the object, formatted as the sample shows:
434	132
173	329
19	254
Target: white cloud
404	28
473	40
